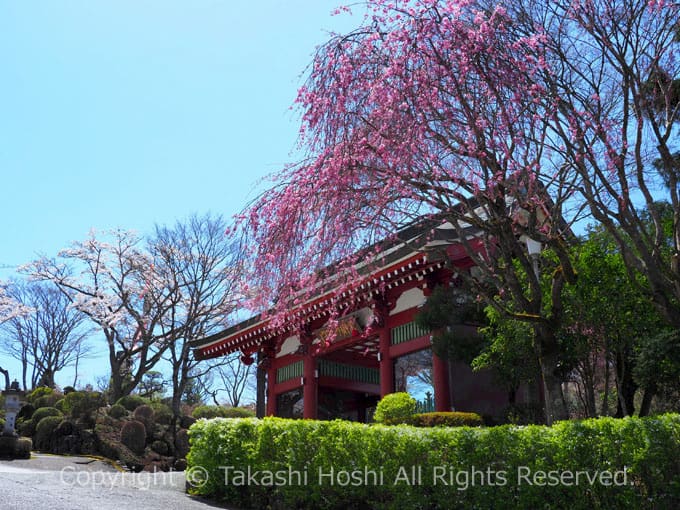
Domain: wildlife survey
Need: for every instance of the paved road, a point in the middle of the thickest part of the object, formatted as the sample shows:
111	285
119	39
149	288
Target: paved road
49	482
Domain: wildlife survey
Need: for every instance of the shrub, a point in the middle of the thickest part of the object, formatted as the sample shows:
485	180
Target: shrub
22	448
68	389
47	400
395	408
633	462
162	414
132	402
81	404
209	412
45	432
144	414
160	447
117	411
446	419
238	412
133	435
144	411
29	428
186	421
182	443
40	413
38	392
26	412
59	404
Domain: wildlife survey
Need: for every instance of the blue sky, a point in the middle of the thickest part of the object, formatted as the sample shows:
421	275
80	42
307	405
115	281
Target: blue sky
127	113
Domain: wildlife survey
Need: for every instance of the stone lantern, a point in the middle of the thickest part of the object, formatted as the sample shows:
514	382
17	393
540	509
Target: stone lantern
13	397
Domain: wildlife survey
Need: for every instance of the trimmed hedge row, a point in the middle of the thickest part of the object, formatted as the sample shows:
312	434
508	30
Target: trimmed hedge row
446	419
277	463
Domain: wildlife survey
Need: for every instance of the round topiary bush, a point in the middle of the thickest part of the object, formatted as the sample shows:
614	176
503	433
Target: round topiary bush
45	432
182	443
133	435
395	408
39	414
144	414
132	402
40	391
31	427
22	448
59	404
117	411
47	400
160	447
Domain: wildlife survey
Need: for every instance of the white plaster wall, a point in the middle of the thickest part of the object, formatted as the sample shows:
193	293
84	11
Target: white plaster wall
289	346
409	299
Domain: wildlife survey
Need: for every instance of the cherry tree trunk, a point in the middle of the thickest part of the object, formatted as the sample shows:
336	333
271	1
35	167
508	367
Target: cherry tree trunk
549	360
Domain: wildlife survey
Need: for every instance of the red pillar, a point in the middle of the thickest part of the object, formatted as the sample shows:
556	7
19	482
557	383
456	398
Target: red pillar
271	391
386	364
440	376
310	388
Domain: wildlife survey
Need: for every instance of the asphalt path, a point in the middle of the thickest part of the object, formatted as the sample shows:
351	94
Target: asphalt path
51	482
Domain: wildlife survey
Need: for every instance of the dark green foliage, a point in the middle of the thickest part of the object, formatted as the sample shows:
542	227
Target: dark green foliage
658	365
162	414
46	432
26	412
186	421
23	447
446	310
81	404
107	447
133	435
68	389
209	412
160	447
132	402
446	419
40	413
478	467
117	411
29	427
47	400
509	351
395	408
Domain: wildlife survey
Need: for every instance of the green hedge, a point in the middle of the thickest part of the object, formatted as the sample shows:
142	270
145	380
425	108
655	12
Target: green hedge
210	412
446	419
342	465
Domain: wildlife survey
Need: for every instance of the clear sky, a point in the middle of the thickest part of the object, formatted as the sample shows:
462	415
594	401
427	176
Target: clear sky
127	113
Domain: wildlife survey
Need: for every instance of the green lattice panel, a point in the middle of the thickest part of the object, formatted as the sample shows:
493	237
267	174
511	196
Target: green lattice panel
407	332
349	372
289	372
